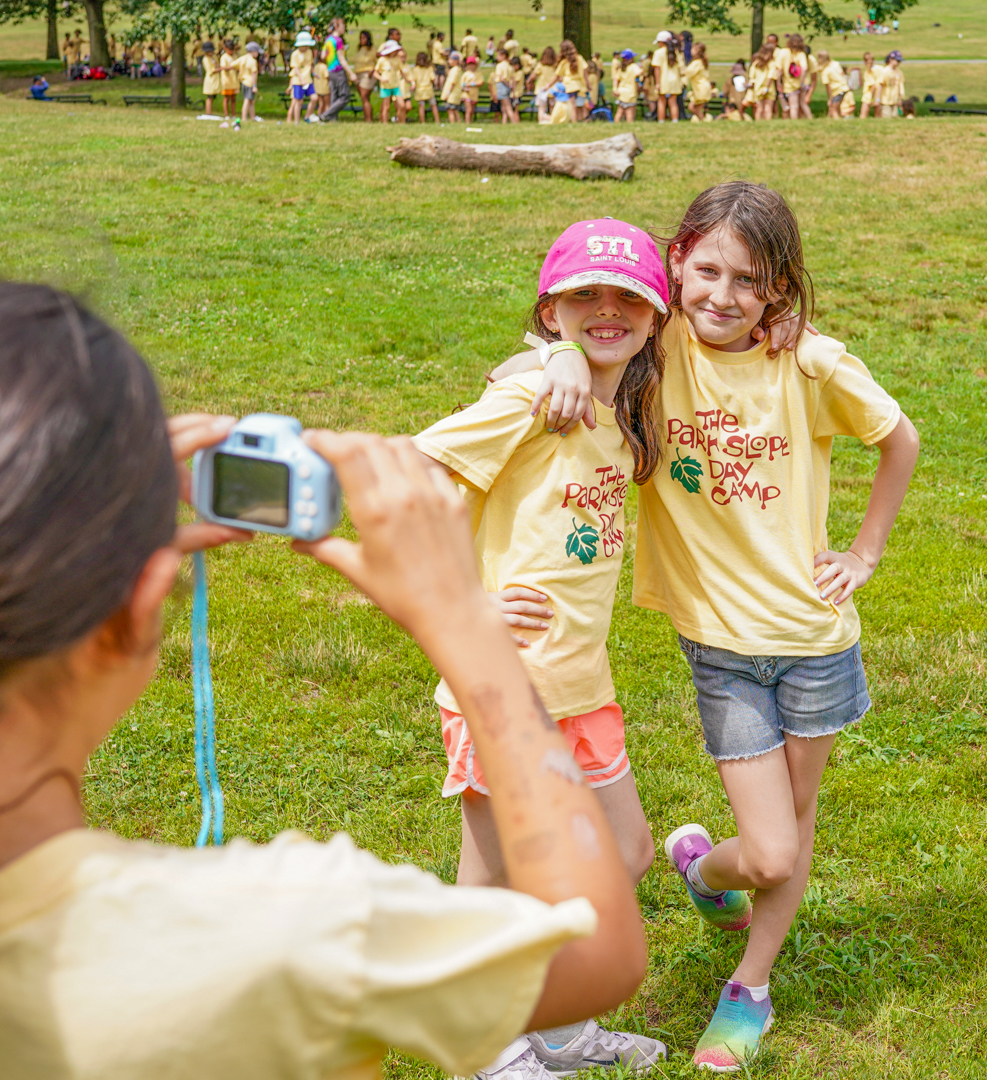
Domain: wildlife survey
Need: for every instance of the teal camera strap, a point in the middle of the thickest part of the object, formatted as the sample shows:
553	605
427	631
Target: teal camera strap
210	791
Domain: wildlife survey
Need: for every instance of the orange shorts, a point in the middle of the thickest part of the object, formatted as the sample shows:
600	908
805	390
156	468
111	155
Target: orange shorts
596	740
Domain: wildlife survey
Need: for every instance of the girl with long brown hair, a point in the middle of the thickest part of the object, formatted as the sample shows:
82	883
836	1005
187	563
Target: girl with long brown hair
732	546
571	70
548	517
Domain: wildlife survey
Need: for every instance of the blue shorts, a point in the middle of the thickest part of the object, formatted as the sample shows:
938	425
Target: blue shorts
392	91
503	91
748	704
299	93
580	100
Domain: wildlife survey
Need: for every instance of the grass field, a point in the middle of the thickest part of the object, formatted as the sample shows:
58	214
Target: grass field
620	24
281	270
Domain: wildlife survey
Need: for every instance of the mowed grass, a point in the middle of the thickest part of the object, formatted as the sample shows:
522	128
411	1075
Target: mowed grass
947	29
283	270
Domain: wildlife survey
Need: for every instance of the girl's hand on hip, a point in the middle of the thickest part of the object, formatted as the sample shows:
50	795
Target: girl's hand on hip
838	574
522	607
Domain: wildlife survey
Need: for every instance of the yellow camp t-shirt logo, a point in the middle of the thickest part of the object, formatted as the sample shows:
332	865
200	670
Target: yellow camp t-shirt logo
608	493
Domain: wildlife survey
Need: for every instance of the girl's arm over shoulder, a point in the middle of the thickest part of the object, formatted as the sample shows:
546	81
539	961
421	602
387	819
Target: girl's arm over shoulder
840	573
566	380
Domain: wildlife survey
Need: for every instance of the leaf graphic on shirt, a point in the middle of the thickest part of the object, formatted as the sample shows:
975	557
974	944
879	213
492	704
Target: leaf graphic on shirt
582	543
687	471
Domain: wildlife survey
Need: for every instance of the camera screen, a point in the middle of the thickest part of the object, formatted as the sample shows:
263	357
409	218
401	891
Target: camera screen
246	489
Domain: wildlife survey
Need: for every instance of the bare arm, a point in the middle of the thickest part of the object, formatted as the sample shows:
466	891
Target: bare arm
846	571
415	559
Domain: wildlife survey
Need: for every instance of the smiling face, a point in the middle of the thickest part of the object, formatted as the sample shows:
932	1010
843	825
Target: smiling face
610	322
718	295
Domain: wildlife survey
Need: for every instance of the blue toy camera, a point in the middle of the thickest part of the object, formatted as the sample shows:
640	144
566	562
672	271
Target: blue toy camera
264	477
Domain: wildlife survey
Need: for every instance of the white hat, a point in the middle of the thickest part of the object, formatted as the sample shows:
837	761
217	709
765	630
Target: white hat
663	36
388	47
252	46
304	40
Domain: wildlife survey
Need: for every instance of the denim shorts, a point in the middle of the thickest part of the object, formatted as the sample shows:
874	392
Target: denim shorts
748	704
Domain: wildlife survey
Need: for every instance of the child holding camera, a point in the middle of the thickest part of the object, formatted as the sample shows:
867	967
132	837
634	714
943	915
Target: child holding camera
548	517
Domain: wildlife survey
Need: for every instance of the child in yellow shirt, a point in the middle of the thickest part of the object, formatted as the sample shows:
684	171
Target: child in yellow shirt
472	81
761	83
300	79
697	75
840	102
423	79
626	78
248	67
869	86
320	81
502	83
211	83
229	78
387	73
452	89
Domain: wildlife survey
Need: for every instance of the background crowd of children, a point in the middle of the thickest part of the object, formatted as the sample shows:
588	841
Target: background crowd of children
671	80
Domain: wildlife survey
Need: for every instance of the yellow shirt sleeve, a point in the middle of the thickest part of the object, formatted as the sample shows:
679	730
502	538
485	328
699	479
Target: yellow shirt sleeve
852	403
301	955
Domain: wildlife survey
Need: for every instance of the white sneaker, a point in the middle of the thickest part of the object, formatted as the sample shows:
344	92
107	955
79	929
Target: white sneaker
595	1046
515	1062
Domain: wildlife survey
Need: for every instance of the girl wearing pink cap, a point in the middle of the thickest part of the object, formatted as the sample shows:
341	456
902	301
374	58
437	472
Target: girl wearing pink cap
548	518
732	546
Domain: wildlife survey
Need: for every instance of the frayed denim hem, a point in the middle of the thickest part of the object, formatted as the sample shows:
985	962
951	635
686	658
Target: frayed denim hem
832	731
743	757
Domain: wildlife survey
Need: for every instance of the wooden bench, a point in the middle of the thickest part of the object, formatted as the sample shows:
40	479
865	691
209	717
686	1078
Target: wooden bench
943	110
69	99
154	99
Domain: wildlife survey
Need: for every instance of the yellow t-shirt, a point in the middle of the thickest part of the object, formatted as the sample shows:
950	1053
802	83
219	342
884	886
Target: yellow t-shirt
363	60
274	45
791	84
320	79
386	72
452	88
247	67
423	78
547	513
229	76
761	79
472	81
405	80
504	73
137	961
211	84
870	81
593	86
561	113
833	78
544	76
573	81
470	46
300	65
438	51
626	87
891	85
697	75
730	523
511	46
669	74
527	63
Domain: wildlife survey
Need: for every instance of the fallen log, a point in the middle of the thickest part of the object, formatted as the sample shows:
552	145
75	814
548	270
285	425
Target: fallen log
613	158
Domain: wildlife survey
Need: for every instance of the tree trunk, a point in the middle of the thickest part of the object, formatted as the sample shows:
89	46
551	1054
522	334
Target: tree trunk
613	157
576	25
757	25
99	51
177	71
52	51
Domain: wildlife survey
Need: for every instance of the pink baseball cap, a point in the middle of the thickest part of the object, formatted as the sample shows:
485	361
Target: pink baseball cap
605	252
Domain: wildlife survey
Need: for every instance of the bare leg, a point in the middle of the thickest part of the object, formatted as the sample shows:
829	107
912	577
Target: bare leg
661	108
435	111
773	798
674	104
480	861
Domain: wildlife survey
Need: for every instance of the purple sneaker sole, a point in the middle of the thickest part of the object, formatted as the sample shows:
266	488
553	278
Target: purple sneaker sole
731	910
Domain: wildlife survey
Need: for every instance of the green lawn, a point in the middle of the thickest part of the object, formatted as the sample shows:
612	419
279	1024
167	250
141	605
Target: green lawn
298	271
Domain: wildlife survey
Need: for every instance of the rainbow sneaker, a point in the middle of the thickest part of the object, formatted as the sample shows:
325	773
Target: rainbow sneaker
733	1038
731	910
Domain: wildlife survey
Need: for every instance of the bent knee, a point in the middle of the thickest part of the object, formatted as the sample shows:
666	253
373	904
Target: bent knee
771	868
639	856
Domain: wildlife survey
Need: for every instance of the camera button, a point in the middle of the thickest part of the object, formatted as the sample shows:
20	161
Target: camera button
305	524
304	471
307	492
313	509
